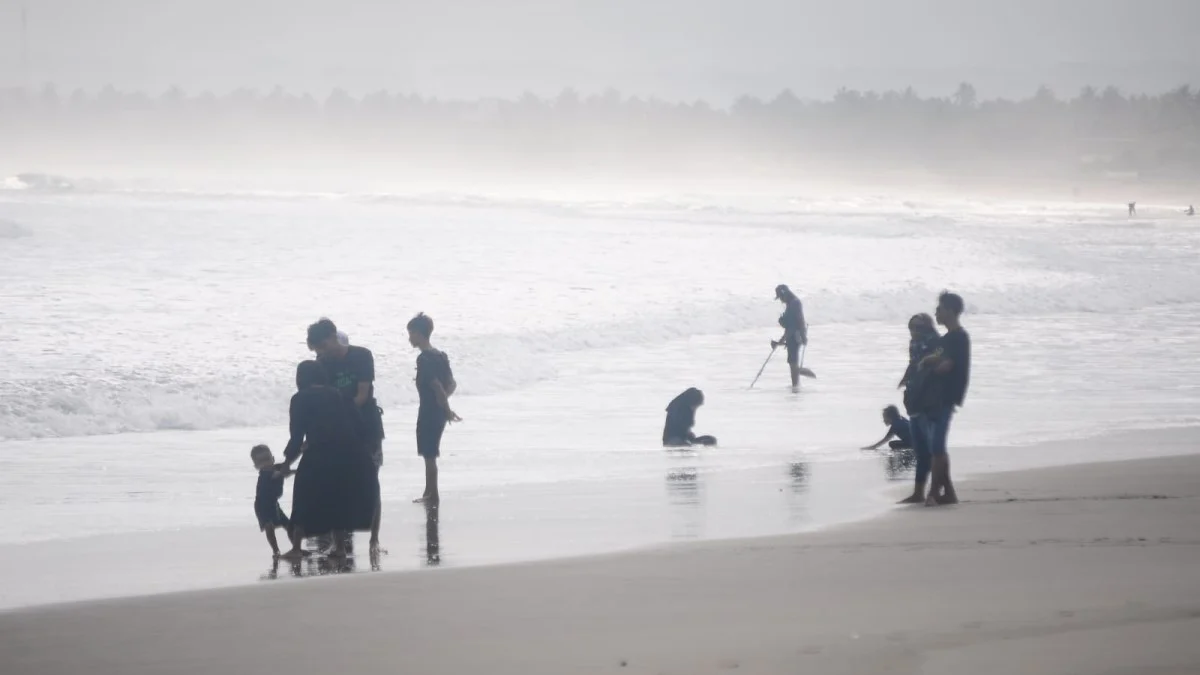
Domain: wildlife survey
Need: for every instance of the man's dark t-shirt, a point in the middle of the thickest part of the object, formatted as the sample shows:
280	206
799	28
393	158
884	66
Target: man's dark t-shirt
345	374
432	365
956	347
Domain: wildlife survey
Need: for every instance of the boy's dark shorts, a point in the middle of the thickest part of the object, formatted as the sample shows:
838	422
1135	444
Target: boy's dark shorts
429	437
271	516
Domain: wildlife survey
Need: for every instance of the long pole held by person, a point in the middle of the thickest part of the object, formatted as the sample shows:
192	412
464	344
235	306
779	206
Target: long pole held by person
764	365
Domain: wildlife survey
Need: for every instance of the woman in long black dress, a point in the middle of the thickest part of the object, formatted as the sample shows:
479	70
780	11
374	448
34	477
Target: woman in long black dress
336	487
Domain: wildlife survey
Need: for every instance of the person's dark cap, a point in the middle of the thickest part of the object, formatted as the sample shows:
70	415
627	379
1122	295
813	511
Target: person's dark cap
780	290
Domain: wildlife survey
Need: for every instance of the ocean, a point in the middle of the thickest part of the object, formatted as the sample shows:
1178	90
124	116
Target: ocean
150	338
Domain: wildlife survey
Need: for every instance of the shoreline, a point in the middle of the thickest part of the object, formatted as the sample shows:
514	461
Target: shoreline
1084	568
527	528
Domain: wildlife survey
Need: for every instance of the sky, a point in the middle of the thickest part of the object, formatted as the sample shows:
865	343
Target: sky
673	49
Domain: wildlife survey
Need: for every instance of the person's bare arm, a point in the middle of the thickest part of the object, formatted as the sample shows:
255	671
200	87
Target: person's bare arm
444	401
363	393
883	440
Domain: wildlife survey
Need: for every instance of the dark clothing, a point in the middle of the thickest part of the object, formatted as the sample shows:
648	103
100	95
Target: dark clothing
938	428
792	320
793	351
917	350
903	432
681	417
345	374
956	347
920	437
266	501
429	436
432	366
922	391
337	485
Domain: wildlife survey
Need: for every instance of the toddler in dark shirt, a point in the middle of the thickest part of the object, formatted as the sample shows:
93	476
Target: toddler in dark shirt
267	494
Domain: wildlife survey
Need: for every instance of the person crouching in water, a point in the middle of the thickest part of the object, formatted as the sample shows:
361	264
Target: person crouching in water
898	429
681	417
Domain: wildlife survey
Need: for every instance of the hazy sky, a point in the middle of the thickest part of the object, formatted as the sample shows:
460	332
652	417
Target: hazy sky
673	48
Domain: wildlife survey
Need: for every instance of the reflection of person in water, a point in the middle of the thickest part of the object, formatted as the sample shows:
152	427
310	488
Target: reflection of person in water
898	429
681	417
433	544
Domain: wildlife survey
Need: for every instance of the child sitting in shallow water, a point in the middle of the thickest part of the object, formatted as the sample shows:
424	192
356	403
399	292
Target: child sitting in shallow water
898	428
267	494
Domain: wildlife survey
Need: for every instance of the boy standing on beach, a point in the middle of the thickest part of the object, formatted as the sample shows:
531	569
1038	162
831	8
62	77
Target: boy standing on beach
435	385
951	365
267	494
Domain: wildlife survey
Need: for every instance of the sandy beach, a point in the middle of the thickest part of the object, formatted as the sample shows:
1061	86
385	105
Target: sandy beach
1080	569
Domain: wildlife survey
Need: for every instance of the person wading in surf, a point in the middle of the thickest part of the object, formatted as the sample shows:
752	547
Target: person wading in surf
795	330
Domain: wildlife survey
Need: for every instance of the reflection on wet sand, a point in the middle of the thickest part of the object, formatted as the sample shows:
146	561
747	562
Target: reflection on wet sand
899	464
433	547
317	563
797	495
799	474
683	493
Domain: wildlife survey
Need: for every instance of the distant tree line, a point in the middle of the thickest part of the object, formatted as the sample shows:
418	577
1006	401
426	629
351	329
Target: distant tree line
1096	132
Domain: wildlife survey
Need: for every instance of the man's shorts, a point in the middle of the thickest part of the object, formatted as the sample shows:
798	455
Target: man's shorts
793	352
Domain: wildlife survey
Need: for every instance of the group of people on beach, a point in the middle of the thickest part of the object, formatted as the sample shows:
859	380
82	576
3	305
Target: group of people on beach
336	425
934	383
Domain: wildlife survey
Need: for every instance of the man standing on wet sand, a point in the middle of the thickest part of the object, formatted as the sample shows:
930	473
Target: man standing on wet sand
351	371
795	331
951	365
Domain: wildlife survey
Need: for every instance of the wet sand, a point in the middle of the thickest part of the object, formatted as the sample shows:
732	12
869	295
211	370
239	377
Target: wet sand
1081	569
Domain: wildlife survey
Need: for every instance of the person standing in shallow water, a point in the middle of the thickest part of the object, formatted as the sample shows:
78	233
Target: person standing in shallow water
351	370
951	368
435	386
795	330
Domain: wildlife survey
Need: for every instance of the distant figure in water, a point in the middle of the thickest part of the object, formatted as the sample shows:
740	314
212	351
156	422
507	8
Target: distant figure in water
795	331
898	428
681	417
1132	209
1191	211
